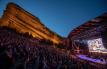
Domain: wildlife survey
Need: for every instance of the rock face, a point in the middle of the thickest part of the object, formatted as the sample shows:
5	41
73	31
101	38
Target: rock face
17	18
88	29
93	29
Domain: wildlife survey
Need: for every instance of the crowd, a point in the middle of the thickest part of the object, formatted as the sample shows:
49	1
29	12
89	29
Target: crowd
18	52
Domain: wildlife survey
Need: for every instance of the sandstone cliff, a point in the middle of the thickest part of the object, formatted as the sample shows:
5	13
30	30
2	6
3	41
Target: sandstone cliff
17	18
95	28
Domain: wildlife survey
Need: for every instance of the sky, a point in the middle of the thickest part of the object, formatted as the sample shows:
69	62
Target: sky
61	16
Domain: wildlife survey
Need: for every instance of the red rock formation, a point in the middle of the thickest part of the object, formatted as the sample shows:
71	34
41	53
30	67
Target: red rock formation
95	28
17	18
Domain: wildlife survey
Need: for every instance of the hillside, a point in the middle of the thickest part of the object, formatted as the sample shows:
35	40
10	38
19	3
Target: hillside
22	21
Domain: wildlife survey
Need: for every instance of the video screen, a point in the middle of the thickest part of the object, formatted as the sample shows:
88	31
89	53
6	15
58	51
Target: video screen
96	45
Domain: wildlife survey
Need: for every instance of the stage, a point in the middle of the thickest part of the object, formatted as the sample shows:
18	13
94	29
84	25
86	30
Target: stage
99	61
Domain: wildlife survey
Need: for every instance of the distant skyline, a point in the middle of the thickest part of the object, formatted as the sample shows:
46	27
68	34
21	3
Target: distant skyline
61	16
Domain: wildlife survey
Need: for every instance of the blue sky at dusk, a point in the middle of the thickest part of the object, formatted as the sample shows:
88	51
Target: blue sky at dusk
61	16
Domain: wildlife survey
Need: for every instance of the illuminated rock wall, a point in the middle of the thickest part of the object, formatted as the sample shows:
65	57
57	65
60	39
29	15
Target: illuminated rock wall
93	29
17	18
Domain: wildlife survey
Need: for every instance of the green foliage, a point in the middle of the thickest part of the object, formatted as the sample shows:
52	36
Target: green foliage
61	46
